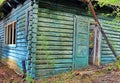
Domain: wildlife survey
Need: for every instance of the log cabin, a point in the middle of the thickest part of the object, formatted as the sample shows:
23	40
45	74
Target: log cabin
55	36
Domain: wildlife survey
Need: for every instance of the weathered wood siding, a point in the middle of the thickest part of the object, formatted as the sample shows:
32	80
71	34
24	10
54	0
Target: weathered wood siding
13	55
54	42
112	31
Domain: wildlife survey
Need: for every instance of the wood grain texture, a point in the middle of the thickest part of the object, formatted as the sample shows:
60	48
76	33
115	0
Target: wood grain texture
54	41
113	33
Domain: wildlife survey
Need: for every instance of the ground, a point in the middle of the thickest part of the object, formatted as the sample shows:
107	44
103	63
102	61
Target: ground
8	75
93	74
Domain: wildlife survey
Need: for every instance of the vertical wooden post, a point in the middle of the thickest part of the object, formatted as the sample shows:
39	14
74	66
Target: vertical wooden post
24	68
13	33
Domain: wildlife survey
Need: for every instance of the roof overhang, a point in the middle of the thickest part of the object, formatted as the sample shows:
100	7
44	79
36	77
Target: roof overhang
8	5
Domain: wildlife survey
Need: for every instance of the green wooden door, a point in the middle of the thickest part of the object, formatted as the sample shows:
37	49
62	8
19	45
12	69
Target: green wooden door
81	42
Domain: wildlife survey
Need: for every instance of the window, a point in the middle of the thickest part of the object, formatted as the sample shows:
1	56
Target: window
10	33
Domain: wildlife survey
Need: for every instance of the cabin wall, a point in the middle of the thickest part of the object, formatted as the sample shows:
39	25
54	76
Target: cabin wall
56	40
112	30
54	48
13	55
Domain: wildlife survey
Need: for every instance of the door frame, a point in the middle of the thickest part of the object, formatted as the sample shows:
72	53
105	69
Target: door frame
96	55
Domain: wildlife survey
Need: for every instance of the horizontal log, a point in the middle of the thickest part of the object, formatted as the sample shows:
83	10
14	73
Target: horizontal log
47	66
44	10
112	32
50	57
20	40
20	33
114	39
21	21
108	59
48	20
54	25
38	52
47	43
111	27
107	49
21	17
47	38
54	61
54	47
53	16
55	34
20	37
115	46
112	42
117	36
22	44
107	56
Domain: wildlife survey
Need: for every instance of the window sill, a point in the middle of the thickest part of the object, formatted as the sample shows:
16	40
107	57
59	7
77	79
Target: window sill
10	45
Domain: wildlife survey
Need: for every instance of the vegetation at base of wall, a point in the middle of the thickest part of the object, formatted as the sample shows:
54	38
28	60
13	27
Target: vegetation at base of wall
114	66
28	79
117	63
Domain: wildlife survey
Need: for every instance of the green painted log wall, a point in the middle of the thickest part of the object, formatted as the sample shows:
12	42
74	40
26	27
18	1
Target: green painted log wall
54	47
112	30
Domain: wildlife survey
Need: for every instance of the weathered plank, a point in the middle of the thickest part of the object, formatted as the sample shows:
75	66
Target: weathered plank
47	38
54	66
54	25
55	21
58	42
44	57
55	29
55	34
53	47
53	52
44	10
52	62
50	15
